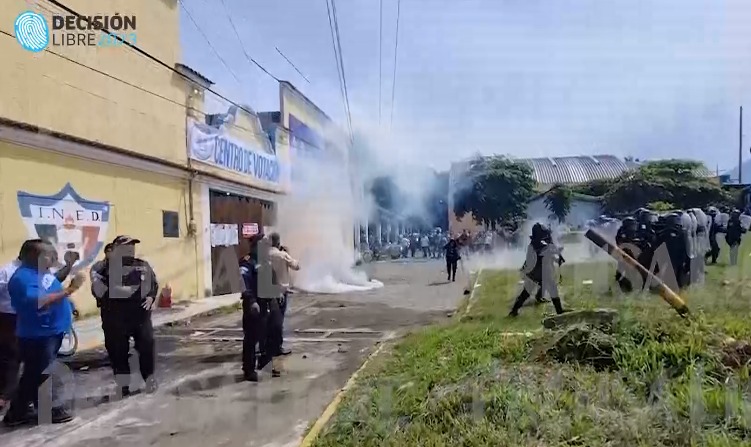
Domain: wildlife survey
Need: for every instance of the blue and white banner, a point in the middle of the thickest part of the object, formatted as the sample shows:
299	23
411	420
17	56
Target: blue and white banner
215	147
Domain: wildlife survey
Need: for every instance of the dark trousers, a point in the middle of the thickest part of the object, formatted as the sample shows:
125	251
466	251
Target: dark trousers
38	356
120	322
714	250
425	252
451	265
283	309
9	362
252	329
271	329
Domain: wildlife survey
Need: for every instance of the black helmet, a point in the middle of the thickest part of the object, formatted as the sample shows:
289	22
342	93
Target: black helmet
673	220
540	231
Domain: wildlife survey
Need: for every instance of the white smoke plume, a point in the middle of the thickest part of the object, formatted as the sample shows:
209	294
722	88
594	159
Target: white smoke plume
316	222
317	219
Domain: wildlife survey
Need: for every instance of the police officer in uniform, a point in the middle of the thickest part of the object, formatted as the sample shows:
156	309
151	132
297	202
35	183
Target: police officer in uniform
539	269
714	229
671	236
734	234
127	287
626	236
252	318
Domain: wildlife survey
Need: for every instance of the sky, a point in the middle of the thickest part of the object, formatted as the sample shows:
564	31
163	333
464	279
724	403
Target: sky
526	78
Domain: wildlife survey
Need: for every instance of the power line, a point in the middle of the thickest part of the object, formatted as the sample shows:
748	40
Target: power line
396	53
208	41
130	84
142	52
341	63
247	56
380	62
293	65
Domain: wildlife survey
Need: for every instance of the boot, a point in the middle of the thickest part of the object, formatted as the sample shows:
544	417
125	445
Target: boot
539	298
558	306
518	303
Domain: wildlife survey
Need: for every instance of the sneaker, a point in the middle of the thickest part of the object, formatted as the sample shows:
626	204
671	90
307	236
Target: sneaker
276	373
284	351
61	416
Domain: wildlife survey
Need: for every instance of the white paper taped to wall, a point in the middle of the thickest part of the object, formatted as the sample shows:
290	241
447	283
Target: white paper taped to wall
224	235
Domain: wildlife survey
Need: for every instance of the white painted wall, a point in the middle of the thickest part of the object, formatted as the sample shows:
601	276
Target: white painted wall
581	212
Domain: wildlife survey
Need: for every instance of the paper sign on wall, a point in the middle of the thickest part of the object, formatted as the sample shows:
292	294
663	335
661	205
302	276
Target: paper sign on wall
224	235
250	229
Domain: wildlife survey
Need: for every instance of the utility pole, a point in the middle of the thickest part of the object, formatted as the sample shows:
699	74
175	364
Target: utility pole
740	150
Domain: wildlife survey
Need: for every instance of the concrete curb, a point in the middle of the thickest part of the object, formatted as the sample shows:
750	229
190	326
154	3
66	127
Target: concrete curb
322	420
325	417
471	299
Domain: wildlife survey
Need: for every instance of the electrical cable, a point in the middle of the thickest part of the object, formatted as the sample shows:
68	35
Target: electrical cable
396	53
380	63
147	55
208	41
341	63
247	56
336	58
137	87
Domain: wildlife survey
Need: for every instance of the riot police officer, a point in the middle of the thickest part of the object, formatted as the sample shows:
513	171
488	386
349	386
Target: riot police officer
671	251
127	287
733	235
714	228
539	269
626	237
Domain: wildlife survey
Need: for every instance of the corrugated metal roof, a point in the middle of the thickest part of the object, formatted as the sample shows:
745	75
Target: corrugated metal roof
572	170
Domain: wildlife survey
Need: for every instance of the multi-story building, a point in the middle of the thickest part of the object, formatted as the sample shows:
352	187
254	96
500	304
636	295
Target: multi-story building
100	138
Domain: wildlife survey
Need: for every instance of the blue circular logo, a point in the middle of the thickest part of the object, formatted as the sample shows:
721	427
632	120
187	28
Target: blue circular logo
32	31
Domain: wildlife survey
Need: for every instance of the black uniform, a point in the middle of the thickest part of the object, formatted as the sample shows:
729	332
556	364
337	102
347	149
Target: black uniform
627	235
671	237
714	229
452	259
539	268
123	316
733	235
252	318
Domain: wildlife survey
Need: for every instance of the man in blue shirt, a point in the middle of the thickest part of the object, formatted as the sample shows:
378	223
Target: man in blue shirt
43	315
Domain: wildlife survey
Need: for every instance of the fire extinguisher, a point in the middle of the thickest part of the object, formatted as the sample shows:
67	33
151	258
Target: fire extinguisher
165	297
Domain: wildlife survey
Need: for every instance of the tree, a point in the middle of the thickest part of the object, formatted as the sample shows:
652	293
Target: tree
558	201
496	190
671	181
595	188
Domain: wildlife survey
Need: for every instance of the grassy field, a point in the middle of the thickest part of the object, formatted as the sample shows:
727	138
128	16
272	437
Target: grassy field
653	379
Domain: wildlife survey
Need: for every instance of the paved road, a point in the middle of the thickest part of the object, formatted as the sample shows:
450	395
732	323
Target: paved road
203	402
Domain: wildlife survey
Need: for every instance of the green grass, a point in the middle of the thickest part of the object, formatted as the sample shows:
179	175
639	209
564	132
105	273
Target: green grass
470	383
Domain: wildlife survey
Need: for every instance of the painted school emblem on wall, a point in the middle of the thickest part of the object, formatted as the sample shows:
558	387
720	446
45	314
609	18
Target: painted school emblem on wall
68	221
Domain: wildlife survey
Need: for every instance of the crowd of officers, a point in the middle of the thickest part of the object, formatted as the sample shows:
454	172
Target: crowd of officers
677	246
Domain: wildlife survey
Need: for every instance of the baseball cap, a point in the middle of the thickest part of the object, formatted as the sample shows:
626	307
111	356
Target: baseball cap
125	240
